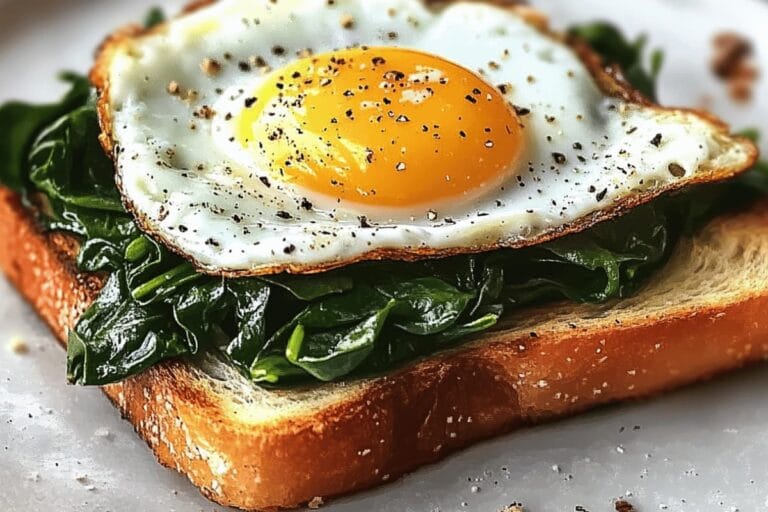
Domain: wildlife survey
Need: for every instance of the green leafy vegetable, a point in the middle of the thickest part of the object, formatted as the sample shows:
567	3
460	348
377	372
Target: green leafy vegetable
369	317
154	17
251	298
199	311
69	169
610	43
22	122
117	337
333	354
426	305
312	287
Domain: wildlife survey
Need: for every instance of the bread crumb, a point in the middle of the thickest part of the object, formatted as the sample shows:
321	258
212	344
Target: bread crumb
17	345
173	87
732	63
624	506
347	21
102	432
729	49
190	96
315	503
514	507
204	112
210	67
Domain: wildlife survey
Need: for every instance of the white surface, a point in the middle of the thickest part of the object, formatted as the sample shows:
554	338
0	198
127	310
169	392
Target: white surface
704	448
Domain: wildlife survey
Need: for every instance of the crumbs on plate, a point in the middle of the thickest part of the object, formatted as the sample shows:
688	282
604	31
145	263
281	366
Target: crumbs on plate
732	63
17	345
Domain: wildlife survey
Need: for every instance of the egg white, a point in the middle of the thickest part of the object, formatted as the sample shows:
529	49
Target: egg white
190	186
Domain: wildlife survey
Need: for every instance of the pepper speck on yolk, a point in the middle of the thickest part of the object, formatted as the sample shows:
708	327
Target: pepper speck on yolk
381	126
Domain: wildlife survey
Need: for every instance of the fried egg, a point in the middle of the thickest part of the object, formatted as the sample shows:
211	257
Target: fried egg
261	136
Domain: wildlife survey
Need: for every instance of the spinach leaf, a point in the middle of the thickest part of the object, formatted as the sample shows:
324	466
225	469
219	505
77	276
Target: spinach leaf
756	179
92	224
154	17
395	346
604	262
425	306
98	254
21	124
276	369
69	168
459	332
329	355
251	298
200	312
313	286
614	48
117	337
360	302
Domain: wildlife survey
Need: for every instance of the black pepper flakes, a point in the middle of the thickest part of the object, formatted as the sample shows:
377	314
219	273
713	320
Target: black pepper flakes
521	111
601	195
559	158
656	140
394	76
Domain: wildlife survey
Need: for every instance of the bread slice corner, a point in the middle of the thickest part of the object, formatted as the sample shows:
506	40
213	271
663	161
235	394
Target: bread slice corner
257	449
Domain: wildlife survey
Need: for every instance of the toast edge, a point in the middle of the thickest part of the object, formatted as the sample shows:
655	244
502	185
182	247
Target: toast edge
415	416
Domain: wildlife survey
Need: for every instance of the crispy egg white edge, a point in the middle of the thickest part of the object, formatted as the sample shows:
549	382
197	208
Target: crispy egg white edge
328	239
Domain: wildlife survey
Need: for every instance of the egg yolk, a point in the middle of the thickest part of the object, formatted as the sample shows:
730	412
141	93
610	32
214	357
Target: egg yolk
381	126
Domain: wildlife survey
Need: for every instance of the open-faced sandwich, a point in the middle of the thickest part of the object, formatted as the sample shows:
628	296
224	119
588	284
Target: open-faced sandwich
309	245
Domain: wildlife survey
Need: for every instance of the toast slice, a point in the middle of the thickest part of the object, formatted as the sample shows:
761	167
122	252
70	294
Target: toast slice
252	448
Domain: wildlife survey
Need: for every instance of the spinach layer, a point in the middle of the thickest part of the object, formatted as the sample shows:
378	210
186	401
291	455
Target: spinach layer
282	329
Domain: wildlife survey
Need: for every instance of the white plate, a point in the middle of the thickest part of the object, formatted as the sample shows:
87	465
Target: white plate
704	448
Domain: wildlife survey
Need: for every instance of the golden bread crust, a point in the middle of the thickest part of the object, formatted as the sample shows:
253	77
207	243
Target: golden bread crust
380	428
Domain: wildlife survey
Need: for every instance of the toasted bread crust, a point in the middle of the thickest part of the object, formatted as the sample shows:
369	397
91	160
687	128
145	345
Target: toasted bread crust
609	79
414	416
